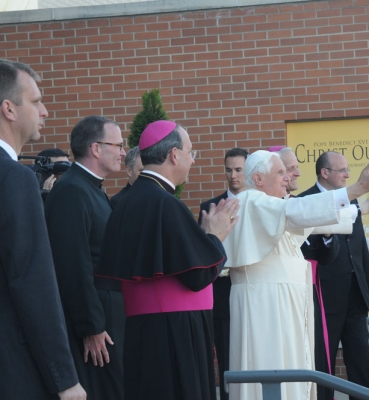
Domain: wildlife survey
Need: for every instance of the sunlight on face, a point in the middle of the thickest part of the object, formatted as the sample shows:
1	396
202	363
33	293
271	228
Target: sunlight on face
276	181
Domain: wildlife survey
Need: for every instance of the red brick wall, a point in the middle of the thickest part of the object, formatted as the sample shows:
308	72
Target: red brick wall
340	365
231	76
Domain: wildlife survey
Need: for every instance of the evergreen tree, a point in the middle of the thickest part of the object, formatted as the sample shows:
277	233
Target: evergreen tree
152	110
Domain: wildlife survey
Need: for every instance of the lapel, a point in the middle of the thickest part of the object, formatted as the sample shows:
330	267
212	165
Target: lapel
315	189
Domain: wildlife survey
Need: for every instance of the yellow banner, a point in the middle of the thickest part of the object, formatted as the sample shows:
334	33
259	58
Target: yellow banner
350	137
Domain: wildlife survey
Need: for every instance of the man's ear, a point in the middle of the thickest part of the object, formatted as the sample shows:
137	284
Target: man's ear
258	179
96	150
8	110
173	156
324	173
129	172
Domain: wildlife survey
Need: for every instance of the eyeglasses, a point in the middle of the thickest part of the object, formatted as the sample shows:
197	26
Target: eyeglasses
120	145
341	171
192	153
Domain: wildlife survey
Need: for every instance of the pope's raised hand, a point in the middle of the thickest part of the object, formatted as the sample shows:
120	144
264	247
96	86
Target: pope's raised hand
361	186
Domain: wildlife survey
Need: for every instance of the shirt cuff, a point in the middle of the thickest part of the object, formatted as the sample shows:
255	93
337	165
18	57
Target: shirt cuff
341	199
225	272
354	212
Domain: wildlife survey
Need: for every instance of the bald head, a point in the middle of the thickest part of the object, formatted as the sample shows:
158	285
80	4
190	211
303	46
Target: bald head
332	170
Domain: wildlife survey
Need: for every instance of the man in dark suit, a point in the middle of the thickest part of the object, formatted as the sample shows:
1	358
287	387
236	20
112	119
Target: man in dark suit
233	161
345	281
77	210
35	358
134	166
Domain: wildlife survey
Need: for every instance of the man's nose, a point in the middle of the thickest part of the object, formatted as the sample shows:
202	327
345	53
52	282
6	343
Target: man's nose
43	111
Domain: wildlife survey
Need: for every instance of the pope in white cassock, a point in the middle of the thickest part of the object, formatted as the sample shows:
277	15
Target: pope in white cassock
271	299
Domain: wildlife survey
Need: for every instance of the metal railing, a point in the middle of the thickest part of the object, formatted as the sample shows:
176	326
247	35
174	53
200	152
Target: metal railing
271	381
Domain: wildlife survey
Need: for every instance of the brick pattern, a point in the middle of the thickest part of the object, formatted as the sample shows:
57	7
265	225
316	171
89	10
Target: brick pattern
340	365
231	76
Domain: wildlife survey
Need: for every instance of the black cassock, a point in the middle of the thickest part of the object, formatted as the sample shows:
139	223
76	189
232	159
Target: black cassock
150	235
76	214
117	197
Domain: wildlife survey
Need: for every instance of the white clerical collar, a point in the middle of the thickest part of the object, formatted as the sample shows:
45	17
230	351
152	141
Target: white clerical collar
159	176
321	188
9	149
89	171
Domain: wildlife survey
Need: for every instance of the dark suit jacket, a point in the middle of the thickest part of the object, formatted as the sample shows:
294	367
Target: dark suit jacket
317	250
206	204
353	255
35	359
222	285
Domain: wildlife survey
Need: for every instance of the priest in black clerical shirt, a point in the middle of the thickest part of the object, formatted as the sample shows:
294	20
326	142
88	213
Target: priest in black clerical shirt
77	210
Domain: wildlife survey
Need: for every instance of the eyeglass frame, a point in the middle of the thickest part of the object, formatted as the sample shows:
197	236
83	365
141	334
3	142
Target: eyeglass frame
192	153
120	145
341	171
